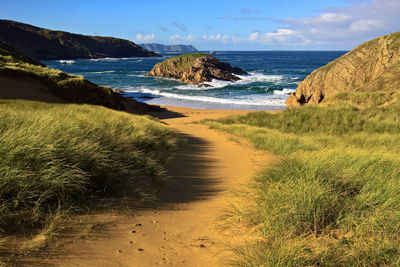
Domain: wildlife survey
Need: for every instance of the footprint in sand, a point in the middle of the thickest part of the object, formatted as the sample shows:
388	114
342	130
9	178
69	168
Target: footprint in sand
202	242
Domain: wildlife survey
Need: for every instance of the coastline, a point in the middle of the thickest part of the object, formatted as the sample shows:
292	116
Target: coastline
187	115
204	105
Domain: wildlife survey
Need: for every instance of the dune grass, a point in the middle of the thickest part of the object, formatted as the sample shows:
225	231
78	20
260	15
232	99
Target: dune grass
334	197
182	62
55	156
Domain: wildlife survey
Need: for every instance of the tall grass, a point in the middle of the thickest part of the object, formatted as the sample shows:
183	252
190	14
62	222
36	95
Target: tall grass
334	198
182	62
53	156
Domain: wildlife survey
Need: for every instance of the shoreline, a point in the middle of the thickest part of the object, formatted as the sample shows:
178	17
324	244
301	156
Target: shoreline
186	115
198	104
200	114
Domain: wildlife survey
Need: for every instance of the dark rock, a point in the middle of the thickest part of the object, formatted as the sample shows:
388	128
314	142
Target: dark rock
43	44
196	69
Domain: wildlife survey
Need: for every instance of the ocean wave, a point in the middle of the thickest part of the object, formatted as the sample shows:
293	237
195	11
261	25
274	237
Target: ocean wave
249	100
244	79
100	72
64	61
112	59
285	91
109	59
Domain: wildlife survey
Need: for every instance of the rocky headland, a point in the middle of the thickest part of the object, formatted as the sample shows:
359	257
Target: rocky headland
44	44
367	75
22	77
196	69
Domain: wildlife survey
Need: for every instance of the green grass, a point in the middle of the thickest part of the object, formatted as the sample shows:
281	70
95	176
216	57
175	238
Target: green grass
67	87
55	156
182	62
8	54
334	197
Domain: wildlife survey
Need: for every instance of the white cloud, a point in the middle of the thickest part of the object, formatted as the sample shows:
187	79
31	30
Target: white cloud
326	18
145	38
253	36
218	37
349	26
331	28
366	25
281	37
182	38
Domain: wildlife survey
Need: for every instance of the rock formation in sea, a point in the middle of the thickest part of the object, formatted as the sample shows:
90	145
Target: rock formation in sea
196	69
44	44
22	77
168	48
372	67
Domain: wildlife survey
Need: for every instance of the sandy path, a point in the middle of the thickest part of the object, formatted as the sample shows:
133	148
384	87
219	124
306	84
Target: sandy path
180	231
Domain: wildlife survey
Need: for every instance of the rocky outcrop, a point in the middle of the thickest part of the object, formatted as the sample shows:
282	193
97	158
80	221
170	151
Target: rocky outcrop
24	78
43	44
196	69
371	67
168	48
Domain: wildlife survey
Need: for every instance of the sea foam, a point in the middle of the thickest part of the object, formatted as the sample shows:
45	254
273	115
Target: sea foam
69	61
248	100
244	80
284	91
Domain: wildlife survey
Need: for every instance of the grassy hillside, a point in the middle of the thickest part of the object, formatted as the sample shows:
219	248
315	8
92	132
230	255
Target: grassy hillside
57	156
24	77
334	197
182	62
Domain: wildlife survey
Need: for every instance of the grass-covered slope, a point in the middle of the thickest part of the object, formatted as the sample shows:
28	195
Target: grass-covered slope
365	76
183	62
333	198
26	78
44	44
57	156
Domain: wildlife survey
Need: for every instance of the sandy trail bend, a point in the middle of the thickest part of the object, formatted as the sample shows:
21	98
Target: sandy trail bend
181	230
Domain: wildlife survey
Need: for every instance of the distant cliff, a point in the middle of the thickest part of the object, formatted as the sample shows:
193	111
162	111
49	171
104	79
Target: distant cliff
43	44
367	75
169	48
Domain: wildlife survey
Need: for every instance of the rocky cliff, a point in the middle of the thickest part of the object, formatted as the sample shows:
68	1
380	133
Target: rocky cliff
24	78
369	73
43	44
196	69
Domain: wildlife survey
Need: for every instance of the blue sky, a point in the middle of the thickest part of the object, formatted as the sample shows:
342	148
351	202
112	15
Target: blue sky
218	24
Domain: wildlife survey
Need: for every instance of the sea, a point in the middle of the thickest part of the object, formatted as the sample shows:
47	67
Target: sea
272	76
